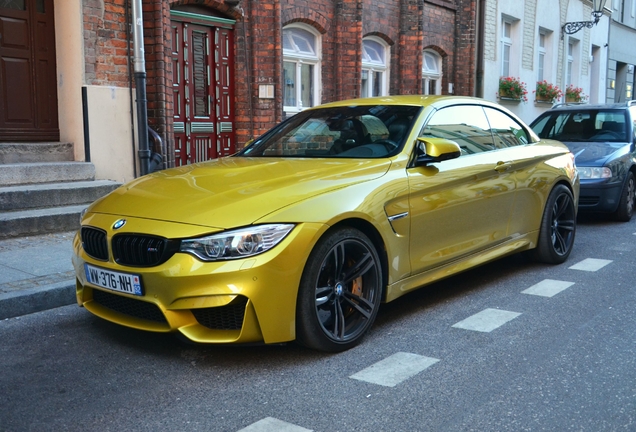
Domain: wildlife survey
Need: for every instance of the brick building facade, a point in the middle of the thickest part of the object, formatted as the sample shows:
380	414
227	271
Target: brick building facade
255	29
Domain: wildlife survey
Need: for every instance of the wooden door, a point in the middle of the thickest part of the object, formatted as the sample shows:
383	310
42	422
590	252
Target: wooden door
203	92
28	85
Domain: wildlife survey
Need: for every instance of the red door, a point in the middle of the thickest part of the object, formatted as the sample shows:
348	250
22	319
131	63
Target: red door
28	85
203	92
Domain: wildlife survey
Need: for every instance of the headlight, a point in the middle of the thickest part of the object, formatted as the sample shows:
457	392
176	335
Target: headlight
235	244
594	173
82	213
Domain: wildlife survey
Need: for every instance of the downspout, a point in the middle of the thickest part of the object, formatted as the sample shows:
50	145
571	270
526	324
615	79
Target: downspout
481	22
140	87
130	85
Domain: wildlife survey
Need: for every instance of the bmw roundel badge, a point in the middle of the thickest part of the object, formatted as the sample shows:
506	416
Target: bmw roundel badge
120	223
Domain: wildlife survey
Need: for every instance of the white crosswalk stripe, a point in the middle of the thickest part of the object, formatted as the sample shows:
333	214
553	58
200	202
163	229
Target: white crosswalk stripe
548	288
270	424
590	264
487	320
394	369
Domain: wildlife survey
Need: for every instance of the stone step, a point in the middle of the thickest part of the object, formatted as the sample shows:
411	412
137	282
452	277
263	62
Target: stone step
11	153
23	197
46	172
40	221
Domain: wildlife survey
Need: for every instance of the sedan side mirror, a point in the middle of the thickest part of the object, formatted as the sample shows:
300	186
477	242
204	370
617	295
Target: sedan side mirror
431	150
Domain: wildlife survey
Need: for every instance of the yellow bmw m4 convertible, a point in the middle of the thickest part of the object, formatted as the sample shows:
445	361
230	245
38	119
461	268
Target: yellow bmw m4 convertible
303	233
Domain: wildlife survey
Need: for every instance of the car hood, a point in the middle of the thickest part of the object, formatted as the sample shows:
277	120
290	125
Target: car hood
595	153
234	191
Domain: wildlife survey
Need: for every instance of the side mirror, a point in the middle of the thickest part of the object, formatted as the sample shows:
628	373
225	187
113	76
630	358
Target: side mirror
431	150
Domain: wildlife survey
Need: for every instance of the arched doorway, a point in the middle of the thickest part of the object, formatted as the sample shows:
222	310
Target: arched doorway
203	89
28	85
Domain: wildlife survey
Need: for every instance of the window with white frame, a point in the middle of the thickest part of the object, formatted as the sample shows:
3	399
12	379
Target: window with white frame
374	67
301	68
571	71
541	59
431	73
506	47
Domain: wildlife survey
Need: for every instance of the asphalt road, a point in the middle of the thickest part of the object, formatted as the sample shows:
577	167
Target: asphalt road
511	346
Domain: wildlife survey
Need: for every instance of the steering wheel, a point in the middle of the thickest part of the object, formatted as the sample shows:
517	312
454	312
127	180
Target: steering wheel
389	144
607	134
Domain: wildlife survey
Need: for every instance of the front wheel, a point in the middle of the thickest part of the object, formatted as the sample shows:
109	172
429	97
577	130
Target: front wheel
558	226
340	292
626	205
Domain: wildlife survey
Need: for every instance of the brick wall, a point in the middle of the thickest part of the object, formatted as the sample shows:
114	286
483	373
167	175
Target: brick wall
407	26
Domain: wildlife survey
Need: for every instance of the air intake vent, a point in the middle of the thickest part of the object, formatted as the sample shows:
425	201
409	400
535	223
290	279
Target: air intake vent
128	306
229	317
94	243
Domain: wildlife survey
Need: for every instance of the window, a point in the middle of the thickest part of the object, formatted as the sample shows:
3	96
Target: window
431	73
465	124
571	72
541	62
506	131
506	47
301	64
374	68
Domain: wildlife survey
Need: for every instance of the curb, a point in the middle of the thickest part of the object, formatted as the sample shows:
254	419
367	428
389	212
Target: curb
33	300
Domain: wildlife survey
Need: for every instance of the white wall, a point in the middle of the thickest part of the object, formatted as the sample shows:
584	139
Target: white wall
529	16
70	72
111	133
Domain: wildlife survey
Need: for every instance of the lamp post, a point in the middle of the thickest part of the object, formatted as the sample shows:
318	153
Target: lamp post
597	13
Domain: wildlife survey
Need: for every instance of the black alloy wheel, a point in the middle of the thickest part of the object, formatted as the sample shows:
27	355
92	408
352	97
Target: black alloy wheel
340	292
558	227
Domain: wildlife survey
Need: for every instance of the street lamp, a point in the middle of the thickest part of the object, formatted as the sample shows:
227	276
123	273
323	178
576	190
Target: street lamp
597	13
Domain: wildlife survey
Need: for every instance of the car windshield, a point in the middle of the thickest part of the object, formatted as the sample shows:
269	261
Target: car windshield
364	131
605	125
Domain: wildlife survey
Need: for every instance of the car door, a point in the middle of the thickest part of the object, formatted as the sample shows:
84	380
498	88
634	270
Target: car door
463	205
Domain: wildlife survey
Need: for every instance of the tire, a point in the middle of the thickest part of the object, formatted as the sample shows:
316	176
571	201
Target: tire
340	292
558	227
625	208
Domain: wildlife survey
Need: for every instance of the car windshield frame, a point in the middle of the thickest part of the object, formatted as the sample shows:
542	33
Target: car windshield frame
584	125
358	131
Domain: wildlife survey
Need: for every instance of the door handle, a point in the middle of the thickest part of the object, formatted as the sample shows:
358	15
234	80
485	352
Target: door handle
503	166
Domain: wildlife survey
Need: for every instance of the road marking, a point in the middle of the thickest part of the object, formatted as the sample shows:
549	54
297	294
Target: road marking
487	320
590	264
394	369
270	424
548	288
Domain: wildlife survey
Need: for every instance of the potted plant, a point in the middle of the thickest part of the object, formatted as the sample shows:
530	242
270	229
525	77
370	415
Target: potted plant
512	88
547	92
574	94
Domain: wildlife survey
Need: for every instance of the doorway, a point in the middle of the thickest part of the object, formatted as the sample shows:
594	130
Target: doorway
28	84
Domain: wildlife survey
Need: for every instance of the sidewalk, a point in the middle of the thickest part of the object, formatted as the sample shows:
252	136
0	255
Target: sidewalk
36	273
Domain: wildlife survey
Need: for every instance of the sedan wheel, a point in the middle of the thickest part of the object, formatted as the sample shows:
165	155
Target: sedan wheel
558	227
626	205
340	292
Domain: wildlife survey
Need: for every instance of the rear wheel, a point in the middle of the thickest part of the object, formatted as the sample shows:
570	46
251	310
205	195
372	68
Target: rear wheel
626	205
340	292
558	226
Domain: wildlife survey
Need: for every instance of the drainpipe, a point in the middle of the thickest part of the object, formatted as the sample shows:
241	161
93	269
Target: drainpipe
140	87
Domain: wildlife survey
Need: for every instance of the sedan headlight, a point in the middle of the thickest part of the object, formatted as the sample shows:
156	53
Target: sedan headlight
594	172
241	243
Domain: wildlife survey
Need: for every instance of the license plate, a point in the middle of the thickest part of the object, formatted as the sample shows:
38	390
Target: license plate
114	281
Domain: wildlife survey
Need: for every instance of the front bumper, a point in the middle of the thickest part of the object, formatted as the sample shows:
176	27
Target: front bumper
599	197
235	301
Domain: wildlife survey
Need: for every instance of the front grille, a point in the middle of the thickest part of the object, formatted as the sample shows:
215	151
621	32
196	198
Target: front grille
229	317
128	306
142	250
94	243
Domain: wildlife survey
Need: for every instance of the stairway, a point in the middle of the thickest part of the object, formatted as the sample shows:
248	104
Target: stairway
42	190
